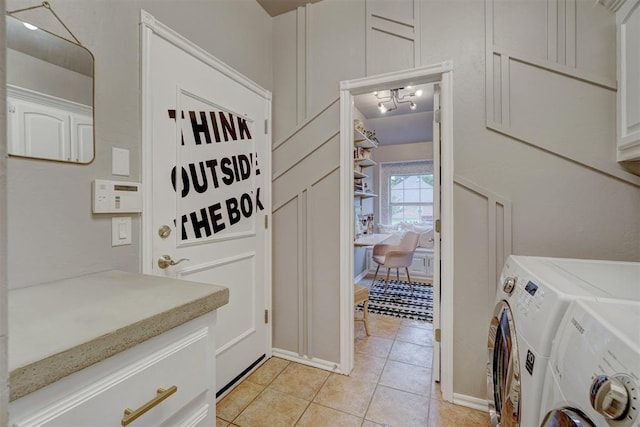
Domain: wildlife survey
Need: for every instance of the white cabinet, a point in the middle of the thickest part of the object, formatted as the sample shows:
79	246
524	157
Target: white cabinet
628	98
182	358
46	127
421	267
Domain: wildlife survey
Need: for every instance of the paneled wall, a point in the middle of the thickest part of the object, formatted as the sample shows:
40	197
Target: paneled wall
483	241
306	292
565	49
555	161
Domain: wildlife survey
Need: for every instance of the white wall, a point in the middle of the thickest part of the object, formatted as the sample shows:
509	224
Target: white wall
561	205
4	390
53	232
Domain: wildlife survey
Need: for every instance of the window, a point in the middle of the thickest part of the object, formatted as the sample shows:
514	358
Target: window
410	198
406	191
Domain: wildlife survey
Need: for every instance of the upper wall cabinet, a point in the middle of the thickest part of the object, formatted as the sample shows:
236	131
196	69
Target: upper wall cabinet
628	23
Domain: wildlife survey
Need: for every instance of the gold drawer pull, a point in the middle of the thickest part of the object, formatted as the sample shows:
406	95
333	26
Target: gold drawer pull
130	416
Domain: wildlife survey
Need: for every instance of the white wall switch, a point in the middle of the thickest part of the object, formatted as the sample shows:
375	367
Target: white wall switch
120	230
119	161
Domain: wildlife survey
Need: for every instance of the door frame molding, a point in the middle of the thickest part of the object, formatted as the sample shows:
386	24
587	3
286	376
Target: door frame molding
441	73
148	27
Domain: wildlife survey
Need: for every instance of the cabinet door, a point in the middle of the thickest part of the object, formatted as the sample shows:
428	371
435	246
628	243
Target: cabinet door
418	267
39	131
82	137
628	98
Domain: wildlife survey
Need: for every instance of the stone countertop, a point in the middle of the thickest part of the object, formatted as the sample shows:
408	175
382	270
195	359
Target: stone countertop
61	327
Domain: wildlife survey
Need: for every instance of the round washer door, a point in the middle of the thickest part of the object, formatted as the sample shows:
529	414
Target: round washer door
566	417
503	369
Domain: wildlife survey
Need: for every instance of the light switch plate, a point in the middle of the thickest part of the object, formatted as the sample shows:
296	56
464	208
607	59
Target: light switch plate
119	161
120	230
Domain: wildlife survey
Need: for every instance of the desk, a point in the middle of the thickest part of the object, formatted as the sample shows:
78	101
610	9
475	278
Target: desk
370	239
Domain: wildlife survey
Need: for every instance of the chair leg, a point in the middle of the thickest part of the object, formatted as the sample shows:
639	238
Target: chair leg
375	276
386	282
409	278
398	275
365	316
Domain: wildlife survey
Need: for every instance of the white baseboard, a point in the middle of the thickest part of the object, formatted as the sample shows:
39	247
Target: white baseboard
305	360
471	402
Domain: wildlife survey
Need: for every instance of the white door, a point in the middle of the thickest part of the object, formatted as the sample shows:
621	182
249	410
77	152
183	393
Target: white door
208	189
436	235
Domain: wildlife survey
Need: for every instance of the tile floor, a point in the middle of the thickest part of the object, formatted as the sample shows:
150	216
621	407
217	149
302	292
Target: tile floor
389	385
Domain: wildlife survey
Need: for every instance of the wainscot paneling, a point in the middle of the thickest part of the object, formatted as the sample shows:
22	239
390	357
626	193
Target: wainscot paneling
306	207
482	236
393	36
546	82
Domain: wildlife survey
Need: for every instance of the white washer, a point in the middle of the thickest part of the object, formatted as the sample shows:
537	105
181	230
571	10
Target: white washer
532	296
594	369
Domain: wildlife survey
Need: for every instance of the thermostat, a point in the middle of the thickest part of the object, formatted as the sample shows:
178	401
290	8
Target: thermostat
116	196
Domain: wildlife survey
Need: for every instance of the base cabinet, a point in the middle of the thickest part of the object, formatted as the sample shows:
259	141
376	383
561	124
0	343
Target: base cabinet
113	392
421	267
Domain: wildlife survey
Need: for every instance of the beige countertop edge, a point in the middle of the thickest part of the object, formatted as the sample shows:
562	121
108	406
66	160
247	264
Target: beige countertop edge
29	378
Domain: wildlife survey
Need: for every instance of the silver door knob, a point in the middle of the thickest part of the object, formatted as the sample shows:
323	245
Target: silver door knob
165	261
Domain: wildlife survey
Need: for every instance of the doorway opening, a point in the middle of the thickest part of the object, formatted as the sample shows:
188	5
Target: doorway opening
436	208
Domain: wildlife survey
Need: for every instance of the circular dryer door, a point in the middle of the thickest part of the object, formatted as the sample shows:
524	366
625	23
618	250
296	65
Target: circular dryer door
566	417
503	370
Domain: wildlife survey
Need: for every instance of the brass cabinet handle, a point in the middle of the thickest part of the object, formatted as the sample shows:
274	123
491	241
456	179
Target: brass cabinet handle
130	416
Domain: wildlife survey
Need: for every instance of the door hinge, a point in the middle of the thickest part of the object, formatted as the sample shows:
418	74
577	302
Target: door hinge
437	226
266	222
437	335
436	116
266	126
266	316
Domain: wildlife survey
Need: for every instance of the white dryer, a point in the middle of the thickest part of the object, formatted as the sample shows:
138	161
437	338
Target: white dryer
594	369
532	296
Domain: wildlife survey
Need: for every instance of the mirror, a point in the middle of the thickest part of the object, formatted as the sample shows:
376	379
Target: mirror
50	91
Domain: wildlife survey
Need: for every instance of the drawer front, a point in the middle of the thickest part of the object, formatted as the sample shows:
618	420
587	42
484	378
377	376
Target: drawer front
182	364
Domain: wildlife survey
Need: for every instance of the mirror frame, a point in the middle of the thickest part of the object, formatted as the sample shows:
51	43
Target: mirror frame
93	96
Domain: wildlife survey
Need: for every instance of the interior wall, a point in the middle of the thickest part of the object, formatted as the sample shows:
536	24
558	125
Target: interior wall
4	359
559	206
54	235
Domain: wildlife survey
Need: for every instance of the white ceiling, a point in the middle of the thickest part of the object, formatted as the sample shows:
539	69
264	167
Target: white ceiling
399	126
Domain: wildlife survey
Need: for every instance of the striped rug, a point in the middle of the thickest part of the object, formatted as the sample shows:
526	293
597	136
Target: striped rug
398	301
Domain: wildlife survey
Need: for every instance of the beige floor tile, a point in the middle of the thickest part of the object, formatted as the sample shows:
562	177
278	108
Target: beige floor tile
346	394
445	414
384	326
367	368
320	416
272	409
436	393
398	408
238	399
268	371
221	423
374	346
300	381
368	423
417	324
415	335
414	354
358	330
405	377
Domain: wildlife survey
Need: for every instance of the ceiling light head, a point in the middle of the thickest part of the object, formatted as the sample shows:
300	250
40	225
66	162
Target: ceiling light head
382	107
412	105
419	92
30	26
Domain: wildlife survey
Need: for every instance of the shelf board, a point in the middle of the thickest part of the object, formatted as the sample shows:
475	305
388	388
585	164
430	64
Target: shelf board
363	195
365	162
360	140
359	175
